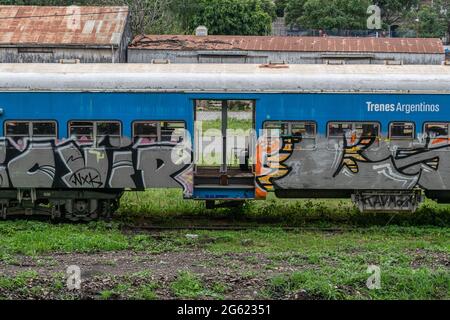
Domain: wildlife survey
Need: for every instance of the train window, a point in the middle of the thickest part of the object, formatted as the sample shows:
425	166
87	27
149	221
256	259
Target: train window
82	130
401	130
367	130
172	131
436	130
338	129
155	131
44	129
89	131
148	130
361	129
303	129
17	129
21	129
107	128
276	128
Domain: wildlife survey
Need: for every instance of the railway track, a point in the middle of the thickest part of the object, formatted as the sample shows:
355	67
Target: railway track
216	224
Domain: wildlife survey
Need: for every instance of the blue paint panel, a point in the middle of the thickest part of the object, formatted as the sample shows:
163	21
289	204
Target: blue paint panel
128	107
349	107
125	107
223	194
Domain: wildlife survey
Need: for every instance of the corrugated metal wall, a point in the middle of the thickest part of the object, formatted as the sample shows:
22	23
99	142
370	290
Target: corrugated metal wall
146	56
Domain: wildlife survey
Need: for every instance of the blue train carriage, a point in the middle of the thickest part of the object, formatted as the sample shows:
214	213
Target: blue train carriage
74	137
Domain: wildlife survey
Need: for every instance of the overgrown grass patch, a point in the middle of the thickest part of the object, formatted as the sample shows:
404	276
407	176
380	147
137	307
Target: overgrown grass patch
34	238
188	285
164	205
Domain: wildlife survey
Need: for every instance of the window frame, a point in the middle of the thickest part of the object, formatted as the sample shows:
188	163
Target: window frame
289	126
158	128
437	123
31	128
353	123
391	123
94	129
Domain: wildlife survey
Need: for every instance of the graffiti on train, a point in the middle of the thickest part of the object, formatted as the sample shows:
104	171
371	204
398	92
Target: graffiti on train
48	163
361	163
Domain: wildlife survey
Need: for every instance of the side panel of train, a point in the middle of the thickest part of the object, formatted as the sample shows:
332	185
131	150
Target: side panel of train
329	144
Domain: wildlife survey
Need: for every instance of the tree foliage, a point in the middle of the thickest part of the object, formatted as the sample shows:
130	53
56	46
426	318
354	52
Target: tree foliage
327	14
393	11
244	17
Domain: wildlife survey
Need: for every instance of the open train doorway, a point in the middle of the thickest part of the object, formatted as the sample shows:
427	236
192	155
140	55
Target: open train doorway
224	143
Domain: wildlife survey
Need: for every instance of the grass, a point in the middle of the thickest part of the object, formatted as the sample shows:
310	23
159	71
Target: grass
188	285
335	264
34	238
328	265
166	204
135	286
411	250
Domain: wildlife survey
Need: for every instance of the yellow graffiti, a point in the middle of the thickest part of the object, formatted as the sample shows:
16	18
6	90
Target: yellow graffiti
98	154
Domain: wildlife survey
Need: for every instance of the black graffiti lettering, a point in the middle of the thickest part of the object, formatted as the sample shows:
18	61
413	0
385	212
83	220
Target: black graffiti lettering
86	177
70	164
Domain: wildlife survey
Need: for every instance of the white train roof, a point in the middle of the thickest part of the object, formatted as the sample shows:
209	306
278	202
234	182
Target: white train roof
225	78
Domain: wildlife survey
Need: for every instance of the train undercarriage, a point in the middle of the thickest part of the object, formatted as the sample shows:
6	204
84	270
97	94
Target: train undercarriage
90	204
72	205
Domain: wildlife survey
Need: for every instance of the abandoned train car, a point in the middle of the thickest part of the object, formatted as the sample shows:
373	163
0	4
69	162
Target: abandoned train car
74	137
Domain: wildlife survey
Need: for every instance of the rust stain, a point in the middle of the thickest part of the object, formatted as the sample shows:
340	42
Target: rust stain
28	25
298	44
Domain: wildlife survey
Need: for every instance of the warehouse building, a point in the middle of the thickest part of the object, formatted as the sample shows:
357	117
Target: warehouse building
292	50
58	34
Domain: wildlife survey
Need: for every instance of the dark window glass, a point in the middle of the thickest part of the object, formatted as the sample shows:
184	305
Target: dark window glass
82	130
108	128
338	129
303	129
367	129
15	128
147	130
436	130
172	131
272	127
401	130
44	129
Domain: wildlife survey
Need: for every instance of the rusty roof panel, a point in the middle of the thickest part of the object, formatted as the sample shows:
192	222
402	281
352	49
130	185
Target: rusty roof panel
297	44
36	25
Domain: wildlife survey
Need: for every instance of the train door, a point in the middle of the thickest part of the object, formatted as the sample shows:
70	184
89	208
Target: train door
224	146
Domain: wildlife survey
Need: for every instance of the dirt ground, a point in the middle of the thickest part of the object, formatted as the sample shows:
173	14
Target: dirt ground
245	274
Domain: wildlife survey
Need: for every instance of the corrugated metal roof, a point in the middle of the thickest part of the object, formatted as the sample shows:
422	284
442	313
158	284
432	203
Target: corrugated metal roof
297	44
35	25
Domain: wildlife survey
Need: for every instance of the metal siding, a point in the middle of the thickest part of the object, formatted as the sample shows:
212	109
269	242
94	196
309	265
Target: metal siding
146	56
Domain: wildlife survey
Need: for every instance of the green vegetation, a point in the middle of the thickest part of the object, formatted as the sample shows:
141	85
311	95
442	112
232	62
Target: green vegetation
136	286
254	17
163	205
34	238
314	264
188	285
334	265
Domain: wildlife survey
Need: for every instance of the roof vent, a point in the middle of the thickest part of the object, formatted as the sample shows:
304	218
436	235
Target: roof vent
275	65
69	61
393	62
335	61
160	61
201	31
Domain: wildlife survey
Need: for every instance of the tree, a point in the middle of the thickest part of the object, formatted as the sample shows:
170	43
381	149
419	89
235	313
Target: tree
394	11
328	14
243	17
430	23
280	6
